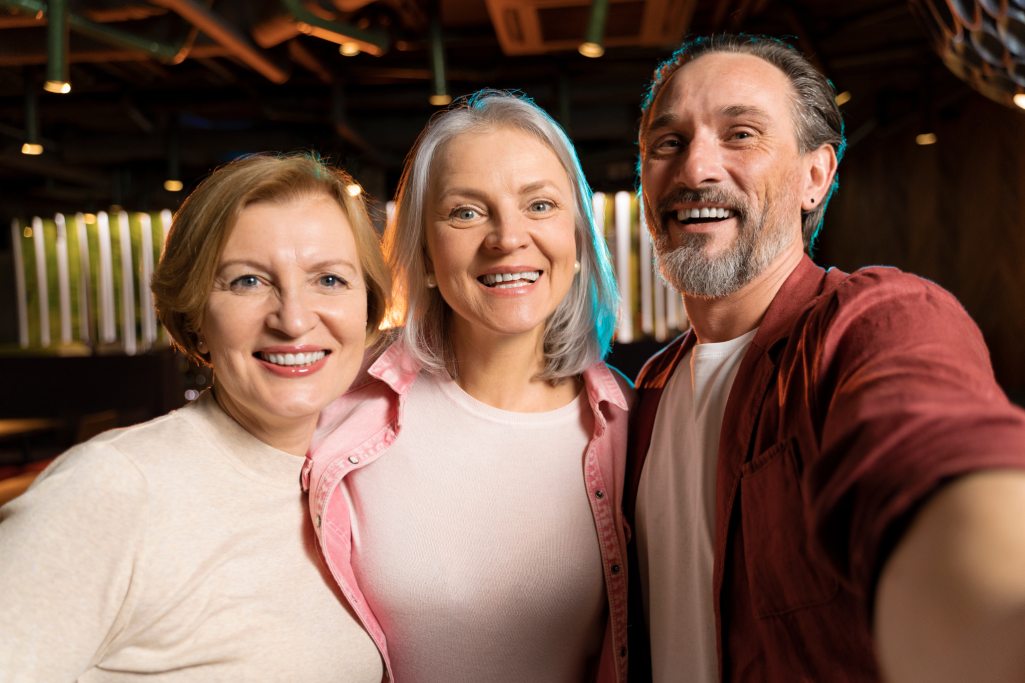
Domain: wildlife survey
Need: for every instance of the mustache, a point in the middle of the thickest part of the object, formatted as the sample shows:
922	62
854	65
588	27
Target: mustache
709	195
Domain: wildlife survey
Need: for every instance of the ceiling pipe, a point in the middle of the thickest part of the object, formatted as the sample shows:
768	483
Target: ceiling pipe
369	41
226	35
167	54
57	80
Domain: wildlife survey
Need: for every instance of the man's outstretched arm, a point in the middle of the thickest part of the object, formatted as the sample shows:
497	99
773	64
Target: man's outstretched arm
950	602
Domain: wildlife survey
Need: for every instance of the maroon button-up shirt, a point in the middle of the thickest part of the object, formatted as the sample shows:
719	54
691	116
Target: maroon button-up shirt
860	395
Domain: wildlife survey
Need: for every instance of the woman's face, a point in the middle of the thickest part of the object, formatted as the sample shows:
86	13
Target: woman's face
500	231
285	323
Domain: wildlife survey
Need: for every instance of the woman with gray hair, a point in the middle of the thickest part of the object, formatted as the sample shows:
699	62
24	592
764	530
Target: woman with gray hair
466	490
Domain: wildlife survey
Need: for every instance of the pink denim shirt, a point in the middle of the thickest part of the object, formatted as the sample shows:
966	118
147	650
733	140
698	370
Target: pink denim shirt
357	428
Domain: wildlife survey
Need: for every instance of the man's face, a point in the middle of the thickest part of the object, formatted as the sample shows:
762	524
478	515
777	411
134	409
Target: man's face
721	174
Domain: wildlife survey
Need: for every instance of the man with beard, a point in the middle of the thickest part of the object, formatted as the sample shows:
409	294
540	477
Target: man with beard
826	481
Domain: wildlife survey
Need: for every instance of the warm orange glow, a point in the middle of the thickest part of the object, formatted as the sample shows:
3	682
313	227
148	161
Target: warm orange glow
592	50
59	87
843	98
925	139
32	148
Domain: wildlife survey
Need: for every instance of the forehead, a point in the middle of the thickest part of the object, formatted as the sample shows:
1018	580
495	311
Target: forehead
718	81
496	147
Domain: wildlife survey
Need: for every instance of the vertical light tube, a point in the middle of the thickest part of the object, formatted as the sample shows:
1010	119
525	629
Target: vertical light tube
149	317
21	297
42	284
660	311
165	223
108	326
63	278
85	284
124	234
621	223
648	276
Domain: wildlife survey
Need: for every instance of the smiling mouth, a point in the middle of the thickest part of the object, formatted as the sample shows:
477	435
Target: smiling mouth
706	214
291	359
509	280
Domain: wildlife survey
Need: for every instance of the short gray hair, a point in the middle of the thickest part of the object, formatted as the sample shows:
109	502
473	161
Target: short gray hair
817	117
579	332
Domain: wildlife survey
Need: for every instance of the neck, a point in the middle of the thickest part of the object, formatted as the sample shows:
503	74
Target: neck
728	317
501	370
290	436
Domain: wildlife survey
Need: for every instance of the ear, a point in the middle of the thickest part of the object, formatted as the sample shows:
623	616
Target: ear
819	170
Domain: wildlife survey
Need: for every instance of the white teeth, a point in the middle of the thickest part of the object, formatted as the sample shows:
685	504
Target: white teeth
704	212
293	358
497	279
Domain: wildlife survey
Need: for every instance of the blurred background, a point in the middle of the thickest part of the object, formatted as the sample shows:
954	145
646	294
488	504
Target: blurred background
112	110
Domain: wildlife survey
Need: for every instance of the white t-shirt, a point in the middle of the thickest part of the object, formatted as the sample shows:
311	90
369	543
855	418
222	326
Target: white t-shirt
176	550
676	513
474	542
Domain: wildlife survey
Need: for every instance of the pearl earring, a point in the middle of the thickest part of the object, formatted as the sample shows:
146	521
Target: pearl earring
431	281
576	267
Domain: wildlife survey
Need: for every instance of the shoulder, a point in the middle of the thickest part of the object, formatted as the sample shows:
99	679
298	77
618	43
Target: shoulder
611	384
878	305
657	368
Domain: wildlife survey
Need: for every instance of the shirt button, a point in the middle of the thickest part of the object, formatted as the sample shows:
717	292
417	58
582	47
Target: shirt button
615	569
599	494
353	459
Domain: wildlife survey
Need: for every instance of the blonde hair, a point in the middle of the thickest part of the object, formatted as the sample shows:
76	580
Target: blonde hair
200	229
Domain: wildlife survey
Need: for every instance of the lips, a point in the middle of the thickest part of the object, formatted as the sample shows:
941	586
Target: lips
520	278
703	214
292	361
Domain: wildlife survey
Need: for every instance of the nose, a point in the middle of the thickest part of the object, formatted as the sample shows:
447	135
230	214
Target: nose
700	162
292	313
509	231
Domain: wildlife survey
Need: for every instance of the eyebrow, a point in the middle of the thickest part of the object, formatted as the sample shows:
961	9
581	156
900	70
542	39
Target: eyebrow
326	264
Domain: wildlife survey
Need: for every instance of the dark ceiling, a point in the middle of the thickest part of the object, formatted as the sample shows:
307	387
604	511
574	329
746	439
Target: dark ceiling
223	77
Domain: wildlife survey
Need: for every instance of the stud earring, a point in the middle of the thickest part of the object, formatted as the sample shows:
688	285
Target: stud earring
431	281
576	267
813	200
201	345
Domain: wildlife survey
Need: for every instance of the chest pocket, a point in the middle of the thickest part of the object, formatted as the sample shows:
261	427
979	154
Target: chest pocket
782	574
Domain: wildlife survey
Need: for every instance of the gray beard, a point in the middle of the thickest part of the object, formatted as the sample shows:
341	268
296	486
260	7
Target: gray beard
690	271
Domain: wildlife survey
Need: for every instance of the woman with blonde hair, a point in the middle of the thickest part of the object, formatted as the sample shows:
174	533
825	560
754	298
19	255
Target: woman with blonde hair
466	490
179	549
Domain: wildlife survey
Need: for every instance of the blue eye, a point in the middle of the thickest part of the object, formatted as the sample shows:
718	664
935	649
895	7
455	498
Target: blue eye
244	282
542	206
464	213
332	281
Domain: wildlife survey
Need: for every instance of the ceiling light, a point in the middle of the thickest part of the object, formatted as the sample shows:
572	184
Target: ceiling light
172	185
349	49
1019	99
843	98
31	146
595	35
439	93
58	87
925	139
57	28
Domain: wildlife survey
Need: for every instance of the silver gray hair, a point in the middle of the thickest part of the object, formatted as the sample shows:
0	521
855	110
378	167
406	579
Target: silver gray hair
579	332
